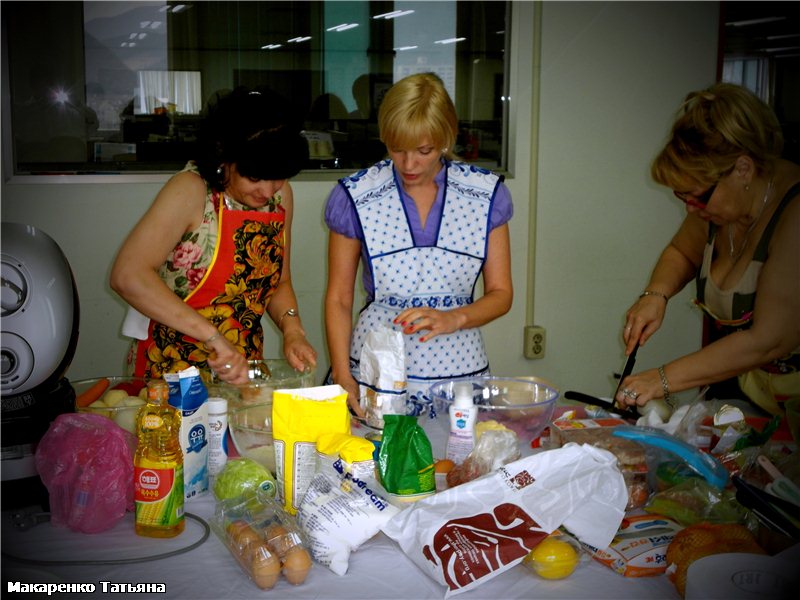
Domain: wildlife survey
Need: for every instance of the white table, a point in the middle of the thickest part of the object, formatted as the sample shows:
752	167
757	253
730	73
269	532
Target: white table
378	570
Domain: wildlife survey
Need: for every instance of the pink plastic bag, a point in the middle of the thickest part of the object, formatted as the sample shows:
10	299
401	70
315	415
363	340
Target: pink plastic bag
86	463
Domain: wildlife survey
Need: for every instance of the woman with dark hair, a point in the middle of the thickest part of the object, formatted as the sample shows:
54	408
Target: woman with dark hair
211	254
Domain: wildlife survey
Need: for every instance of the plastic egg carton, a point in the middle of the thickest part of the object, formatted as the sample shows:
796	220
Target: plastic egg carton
263	538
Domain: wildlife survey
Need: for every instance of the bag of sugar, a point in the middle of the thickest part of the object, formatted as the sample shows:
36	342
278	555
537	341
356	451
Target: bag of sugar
471	533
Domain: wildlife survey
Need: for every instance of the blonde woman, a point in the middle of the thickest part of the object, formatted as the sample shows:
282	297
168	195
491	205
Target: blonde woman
425	227
740	241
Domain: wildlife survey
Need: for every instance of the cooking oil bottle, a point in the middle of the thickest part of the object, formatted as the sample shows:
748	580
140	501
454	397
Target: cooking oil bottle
158	466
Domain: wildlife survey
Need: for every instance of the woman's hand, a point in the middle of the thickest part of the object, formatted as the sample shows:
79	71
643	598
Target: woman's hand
639	389
353	393
298	351
227	362
642	320
435	322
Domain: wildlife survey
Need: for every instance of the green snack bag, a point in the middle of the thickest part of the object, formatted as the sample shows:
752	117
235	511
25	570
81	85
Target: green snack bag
405	460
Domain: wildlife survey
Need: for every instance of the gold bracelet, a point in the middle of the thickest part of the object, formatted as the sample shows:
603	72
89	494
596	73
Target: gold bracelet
652	293
664	383
292	312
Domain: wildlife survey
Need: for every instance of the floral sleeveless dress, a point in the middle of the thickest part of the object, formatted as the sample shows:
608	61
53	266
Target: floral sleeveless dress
227	269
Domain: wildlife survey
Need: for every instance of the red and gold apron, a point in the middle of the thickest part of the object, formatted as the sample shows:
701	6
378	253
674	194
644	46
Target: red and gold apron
233	293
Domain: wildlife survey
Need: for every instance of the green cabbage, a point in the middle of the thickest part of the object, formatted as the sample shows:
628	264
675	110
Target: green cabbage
243	475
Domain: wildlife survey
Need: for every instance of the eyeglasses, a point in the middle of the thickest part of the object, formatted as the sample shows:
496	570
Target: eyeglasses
699	201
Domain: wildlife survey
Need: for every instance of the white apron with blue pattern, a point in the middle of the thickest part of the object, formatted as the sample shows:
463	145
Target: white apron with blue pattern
442	276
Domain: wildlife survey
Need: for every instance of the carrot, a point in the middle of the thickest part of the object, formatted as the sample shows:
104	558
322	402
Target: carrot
93	393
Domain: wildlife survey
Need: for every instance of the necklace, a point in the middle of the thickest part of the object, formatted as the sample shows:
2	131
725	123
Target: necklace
731	248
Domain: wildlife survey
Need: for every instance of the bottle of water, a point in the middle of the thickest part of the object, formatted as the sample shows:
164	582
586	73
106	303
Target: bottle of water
158	466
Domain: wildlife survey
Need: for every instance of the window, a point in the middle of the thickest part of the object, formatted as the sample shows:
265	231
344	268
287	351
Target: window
110	87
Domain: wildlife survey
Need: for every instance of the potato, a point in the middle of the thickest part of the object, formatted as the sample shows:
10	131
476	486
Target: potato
98	404
126	418
132	401
114	397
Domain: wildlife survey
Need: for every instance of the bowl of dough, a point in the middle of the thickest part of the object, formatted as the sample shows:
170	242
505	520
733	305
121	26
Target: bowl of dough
250	406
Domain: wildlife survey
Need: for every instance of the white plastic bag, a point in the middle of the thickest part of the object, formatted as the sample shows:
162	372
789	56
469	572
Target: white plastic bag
471	533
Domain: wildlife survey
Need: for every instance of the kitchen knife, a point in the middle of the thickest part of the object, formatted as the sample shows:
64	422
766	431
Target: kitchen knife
626	370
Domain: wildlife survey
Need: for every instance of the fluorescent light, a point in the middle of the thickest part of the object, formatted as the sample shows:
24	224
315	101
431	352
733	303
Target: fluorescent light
747	22
141	36
342	27
783	37
132	36
450	40
394	14
178	8
271	46
297	40
781	49
163	9
155	24
144	24
402	48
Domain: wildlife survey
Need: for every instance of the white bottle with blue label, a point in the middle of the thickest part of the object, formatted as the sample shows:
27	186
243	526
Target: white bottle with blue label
463	413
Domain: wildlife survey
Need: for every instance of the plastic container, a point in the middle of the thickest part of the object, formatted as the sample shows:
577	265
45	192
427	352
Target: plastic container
158	466
462	423
264	539
217	434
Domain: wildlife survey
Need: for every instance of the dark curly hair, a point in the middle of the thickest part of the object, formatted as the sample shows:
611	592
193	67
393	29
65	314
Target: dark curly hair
255	129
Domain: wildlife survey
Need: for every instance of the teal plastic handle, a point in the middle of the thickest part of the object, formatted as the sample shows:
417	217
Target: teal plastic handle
703	464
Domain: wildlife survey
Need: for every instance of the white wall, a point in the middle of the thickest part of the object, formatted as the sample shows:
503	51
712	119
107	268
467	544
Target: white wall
612	75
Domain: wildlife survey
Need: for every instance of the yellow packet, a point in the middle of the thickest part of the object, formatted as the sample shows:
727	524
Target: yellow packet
299	417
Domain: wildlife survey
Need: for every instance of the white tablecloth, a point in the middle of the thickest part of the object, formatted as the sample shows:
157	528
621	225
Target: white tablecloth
377	570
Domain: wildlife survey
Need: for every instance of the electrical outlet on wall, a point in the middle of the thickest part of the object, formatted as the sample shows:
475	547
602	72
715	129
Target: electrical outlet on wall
534	342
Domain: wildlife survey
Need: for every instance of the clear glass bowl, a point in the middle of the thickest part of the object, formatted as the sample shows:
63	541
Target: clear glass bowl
524	405
250	406
120	401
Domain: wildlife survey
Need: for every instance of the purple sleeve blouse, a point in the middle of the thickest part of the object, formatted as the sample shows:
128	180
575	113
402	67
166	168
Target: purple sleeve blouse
340	216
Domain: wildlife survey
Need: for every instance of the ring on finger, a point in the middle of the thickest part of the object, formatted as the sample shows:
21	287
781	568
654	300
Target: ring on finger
629	393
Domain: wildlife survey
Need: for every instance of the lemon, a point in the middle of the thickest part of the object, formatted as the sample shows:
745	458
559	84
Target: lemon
553	559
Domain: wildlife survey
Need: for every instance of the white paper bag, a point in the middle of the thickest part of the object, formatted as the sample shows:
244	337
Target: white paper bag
382	383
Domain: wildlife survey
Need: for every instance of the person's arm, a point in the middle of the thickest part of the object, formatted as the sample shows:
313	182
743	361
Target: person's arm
178	208
296	348
496	300
343	256
775	331
676	266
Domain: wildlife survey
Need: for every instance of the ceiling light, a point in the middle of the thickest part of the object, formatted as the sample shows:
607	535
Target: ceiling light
297	40
780	49
402	48
342	27
394	14
141	36
164	8
178	8
783	37
271	46
450	40
155	24
144	24
747	22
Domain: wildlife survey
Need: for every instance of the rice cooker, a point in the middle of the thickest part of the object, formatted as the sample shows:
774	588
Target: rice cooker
40	314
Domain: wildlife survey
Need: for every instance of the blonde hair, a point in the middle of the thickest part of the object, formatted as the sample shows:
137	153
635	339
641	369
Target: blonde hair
416	107
714	127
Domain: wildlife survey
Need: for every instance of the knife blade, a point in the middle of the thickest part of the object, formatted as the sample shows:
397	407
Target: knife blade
626	370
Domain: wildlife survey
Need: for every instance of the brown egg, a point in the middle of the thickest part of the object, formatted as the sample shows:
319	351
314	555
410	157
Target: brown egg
242	537
280	539
265	568
296	565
